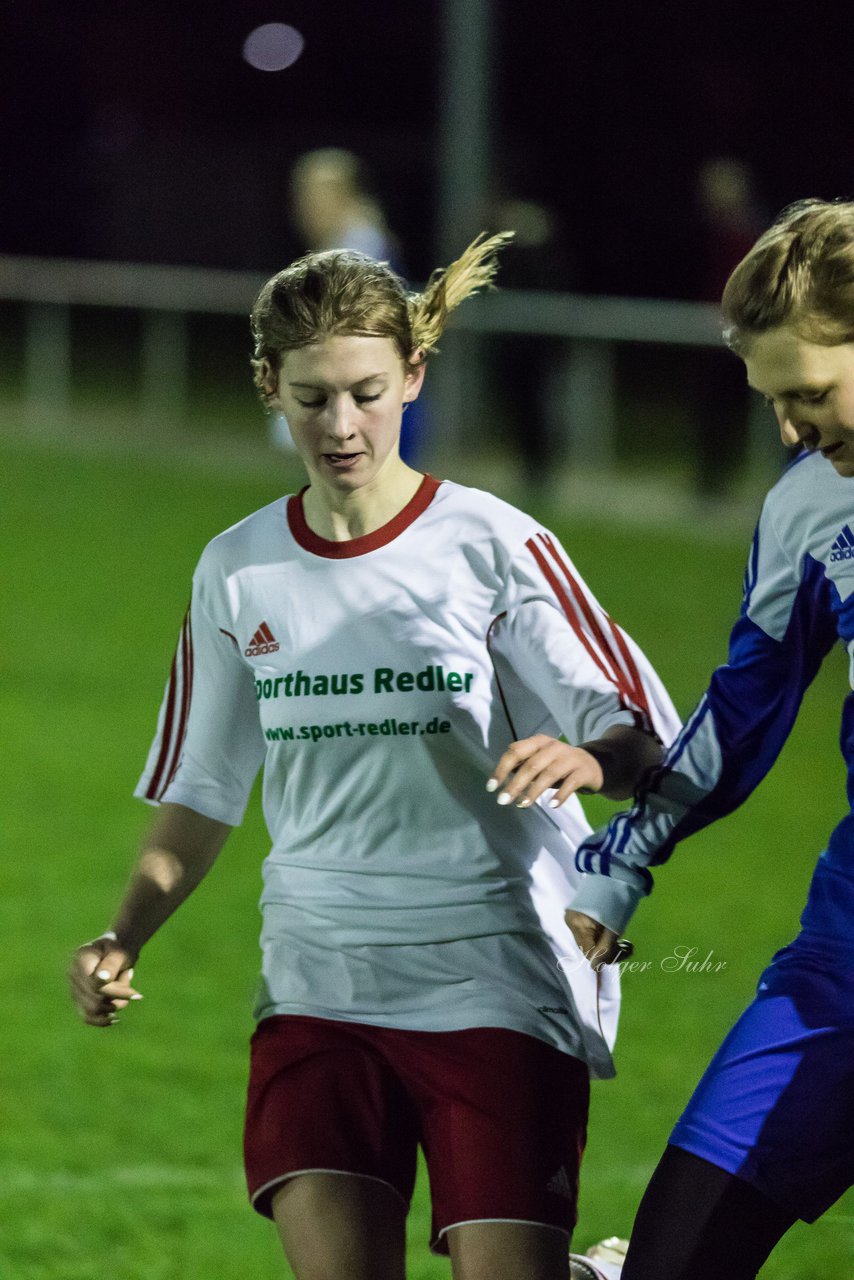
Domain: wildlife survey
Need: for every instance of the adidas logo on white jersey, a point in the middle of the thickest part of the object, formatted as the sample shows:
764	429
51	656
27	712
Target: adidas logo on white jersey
262	642
843	547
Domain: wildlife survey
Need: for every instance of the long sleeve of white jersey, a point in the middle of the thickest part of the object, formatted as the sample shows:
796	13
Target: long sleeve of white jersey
785	629
208	747
563	665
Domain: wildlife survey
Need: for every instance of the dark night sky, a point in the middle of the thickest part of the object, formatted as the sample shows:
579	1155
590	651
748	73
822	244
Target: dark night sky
136	131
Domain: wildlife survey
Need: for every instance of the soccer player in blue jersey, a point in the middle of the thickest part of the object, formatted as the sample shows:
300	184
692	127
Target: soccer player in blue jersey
768	1136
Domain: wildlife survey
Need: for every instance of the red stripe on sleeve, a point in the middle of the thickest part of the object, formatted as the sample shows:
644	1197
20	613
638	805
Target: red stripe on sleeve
154	785
186	696
569	609
626	676
631	667
619	676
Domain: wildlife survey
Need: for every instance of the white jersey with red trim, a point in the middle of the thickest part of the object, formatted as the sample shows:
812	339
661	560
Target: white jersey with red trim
378	680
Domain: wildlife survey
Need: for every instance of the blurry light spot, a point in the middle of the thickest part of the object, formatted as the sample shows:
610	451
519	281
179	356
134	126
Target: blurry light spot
273	46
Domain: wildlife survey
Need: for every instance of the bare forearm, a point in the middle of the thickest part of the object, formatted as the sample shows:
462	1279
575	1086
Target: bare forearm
181	848
624	754
161	881
177	854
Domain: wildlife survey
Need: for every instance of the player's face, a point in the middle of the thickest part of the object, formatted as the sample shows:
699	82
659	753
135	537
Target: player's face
343	400
811	389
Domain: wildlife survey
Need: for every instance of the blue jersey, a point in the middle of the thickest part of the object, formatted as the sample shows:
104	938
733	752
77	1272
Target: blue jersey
798	601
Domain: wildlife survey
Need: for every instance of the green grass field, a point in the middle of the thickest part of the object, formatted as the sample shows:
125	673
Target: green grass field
120	1150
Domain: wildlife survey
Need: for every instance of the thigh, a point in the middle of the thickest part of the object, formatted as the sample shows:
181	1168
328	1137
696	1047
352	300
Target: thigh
776	1105
323	1100
341	1225
503	1126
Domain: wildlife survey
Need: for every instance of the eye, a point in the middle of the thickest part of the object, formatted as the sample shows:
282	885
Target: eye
367	399
818	398
310	404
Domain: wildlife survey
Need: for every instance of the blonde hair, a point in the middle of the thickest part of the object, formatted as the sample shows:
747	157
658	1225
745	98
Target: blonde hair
799	273
341	292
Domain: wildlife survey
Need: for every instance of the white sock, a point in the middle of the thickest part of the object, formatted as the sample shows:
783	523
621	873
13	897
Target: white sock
596	1266
610	1270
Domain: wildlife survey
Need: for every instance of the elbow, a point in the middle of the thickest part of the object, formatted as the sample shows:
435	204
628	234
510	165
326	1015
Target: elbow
163	869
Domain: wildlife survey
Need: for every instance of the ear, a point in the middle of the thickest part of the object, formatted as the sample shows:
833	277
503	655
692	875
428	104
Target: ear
414	376
267	381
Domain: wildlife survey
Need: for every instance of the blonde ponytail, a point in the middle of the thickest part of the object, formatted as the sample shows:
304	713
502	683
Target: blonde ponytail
339	291
475	269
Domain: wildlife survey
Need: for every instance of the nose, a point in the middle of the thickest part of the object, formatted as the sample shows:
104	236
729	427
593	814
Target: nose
339	423
789	432
797	428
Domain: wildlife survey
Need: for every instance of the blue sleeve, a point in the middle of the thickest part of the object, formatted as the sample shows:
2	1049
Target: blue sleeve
786	628
753	701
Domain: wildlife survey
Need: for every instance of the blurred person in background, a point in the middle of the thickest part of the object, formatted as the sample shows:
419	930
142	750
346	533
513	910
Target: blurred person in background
374	641
334	206
525	370
768	1136
729	219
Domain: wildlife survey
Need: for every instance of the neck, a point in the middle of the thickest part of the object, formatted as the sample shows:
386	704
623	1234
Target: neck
339	516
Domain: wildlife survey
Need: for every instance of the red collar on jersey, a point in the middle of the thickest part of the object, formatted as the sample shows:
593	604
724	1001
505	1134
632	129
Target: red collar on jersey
311	541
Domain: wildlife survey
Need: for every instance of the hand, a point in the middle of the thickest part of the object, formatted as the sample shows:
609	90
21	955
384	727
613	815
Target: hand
599	944
99	977
533	765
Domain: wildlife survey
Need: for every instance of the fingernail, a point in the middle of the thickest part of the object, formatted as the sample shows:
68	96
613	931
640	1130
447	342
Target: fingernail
523	803
492	785
505	797
554	802
136	996
103	974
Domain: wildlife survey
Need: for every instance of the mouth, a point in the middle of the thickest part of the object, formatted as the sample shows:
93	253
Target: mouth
830	450
341	461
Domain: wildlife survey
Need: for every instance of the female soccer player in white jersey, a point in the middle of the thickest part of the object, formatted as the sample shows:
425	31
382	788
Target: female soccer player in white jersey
768	1136
375	641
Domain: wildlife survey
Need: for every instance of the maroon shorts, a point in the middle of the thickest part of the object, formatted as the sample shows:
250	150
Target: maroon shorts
501	1116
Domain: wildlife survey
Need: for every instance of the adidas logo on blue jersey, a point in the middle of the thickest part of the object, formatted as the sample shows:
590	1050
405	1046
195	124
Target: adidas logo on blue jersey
843	547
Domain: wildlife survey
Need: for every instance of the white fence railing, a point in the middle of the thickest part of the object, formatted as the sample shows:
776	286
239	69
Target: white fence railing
165	296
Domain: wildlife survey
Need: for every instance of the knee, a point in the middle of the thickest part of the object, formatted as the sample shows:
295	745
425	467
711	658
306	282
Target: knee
508	1251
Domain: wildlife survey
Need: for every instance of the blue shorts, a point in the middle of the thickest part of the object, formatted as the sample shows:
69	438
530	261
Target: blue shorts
776	1104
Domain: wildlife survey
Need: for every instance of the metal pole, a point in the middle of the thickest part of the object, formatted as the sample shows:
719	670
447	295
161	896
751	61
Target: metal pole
465	134
164	358
464	165
590	406
48	363
766	456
